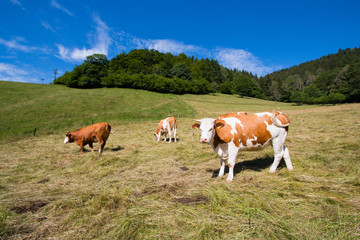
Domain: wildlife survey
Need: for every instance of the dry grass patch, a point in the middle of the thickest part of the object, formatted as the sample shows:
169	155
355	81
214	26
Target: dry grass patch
142	189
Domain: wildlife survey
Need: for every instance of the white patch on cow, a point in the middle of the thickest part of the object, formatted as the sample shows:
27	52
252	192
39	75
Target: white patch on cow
274	131
232	121
165	124
263	114
222	151
249	142
207	130
66	140
233	152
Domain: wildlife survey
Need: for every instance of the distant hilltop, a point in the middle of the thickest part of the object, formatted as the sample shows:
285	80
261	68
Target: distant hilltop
331	79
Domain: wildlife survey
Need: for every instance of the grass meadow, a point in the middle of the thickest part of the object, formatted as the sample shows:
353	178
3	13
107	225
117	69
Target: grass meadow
142	189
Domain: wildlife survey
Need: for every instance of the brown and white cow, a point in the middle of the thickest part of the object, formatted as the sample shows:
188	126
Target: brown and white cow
251	132
98	132
166	126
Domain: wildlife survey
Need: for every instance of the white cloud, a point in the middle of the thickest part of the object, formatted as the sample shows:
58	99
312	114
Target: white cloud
18	44
47	26
241	60
18	3
56	5
76	54
9	72
100	42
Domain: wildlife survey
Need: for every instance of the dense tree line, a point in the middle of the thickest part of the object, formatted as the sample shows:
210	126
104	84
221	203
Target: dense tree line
161	72
331	79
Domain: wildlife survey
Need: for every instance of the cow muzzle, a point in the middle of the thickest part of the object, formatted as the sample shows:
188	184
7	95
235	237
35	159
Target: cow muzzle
204	140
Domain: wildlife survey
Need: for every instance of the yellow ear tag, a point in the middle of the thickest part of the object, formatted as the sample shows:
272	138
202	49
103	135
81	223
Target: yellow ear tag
218	127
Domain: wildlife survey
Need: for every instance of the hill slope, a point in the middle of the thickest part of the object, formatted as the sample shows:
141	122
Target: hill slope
49	108
333	74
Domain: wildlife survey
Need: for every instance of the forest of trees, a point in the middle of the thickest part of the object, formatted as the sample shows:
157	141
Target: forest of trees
331	79
328	80
155	71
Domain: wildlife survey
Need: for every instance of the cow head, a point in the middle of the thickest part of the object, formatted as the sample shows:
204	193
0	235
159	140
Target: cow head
68	138
208	127
157	136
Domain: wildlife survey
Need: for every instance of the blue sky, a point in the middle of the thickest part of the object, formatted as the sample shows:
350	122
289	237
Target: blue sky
38	36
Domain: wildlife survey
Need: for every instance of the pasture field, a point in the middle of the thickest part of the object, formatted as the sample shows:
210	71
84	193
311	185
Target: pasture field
142	189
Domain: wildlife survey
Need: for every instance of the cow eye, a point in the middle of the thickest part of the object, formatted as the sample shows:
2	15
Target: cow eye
210	129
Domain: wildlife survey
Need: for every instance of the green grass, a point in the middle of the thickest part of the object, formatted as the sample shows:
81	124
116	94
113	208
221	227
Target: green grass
52	108
138	189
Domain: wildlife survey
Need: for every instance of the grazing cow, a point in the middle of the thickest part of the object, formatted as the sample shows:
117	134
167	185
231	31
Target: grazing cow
98	132
252	132
166	126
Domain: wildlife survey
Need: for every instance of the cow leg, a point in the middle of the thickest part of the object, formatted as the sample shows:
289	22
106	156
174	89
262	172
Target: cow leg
165	136
91	147
222	168
287	159
101	145
169	131
233	151
223	156
81	148
175	134
278	154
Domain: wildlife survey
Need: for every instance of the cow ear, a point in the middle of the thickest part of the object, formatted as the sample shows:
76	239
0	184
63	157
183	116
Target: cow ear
196	126
68	134
219	124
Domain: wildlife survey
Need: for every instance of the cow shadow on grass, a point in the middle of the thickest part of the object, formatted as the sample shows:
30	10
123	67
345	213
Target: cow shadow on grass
96	150
257	164
116	149
172	140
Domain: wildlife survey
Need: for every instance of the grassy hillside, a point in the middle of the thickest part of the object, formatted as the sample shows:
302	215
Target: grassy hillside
52	108
141	189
